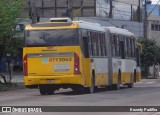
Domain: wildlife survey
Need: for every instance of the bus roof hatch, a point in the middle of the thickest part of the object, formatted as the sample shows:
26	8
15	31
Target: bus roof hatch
68	20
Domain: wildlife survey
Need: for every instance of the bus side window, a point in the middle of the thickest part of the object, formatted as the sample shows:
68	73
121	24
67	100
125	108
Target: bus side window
103	45
118	47
85	47
122	46
115	45
122	49
127	47
134	50
112	45
97	44
90	47
84	42
80	39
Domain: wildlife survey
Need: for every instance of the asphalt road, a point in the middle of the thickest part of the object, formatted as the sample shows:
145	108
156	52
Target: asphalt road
144	93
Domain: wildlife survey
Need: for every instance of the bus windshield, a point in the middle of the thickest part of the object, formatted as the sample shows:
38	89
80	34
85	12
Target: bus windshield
65	37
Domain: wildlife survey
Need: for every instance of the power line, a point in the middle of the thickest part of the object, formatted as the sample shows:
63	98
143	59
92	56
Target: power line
153	9
80	8
115	9
124	2
122	12
62	3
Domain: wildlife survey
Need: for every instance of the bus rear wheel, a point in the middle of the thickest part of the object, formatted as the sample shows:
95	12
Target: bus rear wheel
130	85
46	90
135	76
92	86
78	89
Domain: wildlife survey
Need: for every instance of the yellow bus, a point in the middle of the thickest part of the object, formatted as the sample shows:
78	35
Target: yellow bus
138	52
78	55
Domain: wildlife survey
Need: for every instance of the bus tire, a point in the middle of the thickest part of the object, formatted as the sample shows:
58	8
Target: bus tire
130	85
92	86
135	76
78	89
91	89
42	90
45	90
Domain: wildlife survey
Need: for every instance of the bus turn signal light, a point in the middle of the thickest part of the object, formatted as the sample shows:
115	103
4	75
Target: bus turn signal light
25	66
76	64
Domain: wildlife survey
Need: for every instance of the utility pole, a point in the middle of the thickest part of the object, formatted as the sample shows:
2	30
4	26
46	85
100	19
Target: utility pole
82	7
145	20
42	8
33	12
30	10
55	8
111	9
70	8
139	11
95	8
131	12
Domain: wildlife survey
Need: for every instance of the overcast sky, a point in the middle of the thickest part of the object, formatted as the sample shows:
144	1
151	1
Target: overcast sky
121	10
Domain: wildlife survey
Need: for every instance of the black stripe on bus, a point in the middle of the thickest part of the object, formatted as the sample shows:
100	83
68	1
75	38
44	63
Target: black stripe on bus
45	54
51	25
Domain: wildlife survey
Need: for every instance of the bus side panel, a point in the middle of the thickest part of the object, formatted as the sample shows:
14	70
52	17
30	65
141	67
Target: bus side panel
128	70
126	77
126	66
101	71
138	74
117	64
86	71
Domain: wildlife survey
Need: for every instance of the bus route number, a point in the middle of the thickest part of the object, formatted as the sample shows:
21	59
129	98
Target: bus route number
59	59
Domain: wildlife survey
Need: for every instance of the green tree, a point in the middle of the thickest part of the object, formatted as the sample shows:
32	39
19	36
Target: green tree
136	16
9	11
150	54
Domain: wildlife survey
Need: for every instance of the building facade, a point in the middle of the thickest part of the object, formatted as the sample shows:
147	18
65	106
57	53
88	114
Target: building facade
59	8
153	28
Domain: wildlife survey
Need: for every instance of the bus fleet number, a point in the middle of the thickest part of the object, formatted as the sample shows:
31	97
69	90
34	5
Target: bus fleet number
59	59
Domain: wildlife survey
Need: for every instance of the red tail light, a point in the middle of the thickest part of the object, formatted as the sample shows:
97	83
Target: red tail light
25	66
76	64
